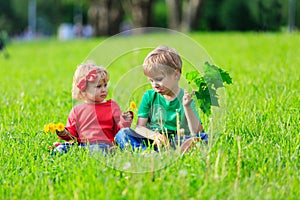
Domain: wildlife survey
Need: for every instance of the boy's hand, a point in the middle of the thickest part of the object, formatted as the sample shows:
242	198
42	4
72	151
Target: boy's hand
127	116
161	140
186	99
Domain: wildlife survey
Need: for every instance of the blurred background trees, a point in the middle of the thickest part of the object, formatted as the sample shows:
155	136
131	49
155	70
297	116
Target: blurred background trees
108	17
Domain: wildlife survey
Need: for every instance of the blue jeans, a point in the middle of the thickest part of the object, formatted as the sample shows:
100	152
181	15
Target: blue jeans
65	147
125	138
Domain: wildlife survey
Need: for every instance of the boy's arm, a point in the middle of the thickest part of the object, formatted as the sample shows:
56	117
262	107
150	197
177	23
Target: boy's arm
142	130
194	124
147	133
142	121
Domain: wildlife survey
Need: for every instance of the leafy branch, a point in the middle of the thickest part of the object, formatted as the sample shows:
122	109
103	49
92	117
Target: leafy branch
205	86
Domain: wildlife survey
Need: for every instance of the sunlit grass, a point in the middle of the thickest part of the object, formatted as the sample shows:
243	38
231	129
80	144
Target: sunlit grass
262	113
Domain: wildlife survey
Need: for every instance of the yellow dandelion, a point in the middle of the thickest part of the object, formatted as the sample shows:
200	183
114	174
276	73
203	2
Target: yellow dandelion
46	128
60	127
52	127
132	105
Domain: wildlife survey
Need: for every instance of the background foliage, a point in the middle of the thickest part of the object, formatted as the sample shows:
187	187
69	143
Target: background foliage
258	15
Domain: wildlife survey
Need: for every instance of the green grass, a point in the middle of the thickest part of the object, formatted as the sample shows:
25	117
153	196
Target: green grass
255	157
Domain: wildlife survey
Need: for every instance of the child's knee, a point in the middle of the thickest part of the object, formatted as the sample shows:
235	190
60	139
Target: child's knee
204	137
121	135
62	148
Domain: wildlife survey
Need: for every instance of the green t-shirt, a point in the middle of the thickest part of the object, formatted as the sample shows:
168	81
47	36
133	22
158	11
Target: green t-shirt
159	111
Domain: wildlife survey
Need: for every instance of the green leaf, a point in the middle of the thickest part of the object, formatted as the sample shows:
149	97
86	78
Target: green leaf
207	85
225	76
191	76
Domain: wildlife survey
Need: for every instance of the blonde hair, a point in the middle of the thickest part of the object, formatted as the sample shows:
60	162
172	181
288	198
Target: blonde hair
81	73
162	59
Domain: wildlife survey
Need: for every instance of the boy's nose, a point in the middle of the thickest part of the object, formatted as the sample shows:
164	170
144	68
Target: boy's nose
155	84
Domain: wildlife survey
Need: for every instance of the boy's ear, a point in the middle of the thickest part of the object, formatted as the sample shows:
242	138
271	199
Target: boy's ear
177	73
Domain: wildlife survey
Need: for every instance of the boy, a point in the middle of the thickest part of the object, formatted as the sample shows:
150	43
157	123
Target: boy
162	105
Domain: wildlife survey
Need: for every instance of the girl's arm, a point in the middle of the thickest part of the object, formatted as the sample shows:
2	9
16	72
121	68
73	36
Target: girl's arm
194	124
122	120
126	119
70	131
65	135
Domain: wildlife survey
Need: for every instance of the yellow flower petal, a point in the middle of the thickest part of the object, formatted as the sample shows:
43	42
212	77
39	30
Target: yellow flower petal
46	128
132	105
52	127
60	127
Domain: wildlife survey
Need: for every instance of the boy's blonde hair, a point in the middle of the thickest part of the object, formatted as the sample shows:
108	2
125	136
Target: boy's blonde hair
163	59
81	74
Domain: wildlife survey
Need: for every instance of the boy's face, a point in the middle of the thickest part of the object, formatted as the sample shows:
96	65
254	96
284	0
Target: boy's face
164	84
96	92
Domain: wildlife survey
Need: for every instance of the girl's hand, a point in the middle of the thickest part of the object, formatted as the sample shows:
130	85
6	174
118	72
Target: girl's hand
127	116
61	133
186	99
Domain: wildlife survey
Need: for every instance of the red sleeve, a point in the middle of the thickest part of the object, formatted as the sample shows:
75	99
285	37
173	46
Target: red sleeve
118	119
70	127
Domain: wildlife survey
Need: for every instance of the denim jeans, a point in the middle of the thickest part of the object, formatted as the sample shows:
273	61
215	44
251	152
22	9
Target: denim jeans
65	147
125	138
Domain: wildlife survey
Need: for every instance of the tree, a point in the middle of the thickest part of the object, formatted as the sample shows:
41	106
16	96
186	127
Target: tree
10	19
236	15
183	14
105	16
140	11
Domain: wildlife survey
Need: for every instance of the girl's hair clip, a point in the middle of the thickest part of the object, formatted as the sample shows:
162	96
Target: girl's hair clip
90	77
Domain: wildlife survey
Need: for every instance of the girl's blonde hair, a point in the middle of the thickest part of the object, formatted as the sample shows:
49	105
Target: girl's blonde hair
162	59
81	74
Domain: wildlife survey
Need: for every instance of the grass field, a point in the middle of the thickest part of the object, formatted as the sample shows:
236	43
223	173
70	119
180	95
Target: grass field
255	157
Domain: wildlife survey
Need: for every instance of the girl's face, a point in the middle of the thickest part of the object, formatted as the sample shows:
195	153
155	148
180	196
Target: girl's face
96	91
166	85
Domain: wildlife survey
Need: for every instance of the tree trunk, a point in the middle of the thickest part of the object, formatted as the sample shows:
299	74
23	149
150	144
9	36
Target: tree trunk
105	16
174	14
141	11
183	15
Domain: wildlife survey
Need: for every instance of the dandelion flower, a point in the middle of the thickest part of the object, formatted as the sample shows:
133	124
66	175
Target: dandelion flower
132	105
60	127
47	128
52	127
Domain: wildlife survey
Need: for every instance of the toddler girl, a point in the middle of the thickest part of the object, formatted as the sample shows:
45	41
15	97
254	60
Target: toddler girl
94	122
